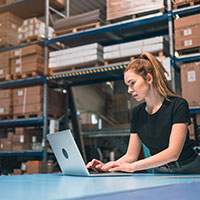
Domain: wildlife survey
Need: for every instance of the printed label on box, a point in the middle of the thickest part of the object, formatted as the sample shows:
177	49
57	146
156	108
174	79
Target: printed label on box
19	92
25	22
1	71
17	69
21	139
34	139
187	32
1	110
191	76
17	53
31	27
187	42
18	61
14	26
30	33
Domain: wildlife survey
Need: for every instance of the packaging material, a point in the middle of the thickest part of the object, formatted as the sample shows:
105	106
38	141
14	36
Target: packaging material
4	66
187	32
6	100
2	2
20	60
190	81
33	167
67	58
122	8
33	28
62	26
30	101
126	50
6	145
9	24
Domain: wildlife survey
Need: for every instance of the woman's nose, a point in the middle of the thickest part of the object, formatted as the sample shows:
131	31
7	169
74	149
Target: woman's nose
130	90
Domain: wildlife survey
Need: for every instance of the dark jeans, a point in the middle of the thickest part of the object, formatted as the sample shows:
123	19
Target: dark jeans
190	168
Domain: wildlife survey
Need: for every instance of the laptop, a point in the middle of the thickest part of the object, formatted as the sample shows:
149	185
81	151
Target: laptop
69	157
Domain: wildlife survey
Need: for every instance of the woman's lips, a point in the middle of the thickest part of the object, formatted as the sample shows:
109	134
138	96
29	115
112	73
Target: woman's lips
134	95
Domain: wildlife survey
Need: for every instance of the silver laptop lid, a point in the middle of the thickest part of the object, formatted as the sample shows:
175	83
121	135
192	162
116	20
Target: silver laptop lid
67	153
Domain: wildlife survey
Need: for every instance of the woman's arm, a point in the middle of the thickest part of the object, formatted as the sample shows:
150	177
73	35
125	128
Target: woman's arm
176	142
133	150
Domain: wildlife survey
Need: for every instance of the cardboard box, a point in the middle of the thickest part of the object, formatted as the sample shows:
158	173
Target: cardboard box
21	146
4	58
185	22
190	81
2	2
122	8
8	16
187	43
30	109
187	33
6	145
22	65
7	40
8	26
33	167
6	93
32	49
28	91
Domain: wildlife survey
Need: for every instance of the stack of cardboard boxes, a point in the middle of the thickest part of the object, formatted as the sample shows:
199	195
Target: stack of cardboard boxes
9	24
33	29
117	9
187	32
4	66
27	60
22	139
187	40
28	102
5	103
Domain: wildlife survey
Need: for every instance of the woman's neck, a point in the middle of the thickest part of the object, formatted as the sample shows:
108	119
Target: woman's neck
154	102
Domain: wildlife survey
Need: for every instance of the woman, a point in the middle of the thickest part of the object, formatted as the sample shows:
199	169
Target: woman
161	123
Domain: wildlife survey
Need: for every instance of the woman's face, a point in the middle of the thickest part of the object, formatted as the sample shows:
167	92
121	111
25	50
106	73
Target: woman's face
137	86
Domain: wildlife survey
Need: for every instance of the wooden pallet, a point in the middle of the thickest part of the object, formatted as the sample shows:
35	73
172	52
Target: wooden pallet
186	4
27	115
16	76
30	39
78	28
130	58
5	117
189	51
6	77
137	15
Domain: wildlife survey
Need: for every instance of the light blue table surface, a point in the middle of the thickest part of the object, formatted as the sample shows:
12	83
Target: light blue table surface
59	186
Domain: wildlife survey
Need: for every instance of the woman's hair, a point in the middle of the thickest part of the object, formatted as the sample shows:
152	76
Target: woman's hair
147	63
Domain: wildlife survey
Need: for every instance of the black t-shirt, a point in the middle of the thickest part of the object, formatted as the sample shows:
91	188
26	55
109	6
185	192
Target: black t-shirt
154	129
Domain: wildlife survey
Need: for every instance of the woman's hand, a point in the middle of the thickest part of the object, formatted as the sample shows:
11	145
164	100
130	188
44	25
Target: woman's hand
119	166
96	165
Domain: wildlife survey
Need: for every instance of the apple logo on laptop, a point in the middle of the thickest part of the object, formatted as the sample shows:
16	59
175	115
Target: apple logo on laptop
65	153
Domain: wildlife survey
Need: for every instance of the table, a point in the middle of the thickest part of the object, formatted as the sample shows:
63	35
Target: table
61	187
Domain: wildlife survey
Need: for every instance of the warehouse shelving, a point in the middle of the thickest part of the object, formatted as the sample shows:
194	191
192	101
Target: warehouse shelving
134	29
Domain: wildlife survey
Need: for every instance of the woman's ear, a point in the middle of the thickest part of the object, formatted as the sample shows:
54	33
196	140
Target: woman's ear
149	78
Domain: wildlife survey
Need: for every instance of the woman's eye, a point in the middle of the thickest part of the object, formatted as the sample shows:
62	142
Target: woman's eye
132	83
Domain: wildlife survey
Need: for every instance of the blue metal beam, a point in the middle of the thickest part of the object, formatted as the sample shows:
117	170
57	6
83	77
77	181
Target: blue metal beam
21	153
21	122
18	82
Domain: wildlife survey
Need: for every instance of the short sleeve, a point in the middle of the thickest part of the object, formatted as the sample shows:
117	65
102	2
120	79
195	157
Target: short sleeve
181	112
133	122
